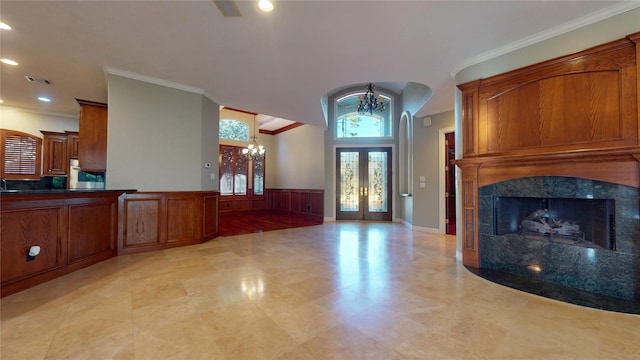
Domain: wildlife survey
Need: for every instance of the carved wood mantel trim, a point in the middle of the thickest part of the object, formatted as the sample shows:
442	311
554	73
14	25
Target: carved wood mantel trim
619	166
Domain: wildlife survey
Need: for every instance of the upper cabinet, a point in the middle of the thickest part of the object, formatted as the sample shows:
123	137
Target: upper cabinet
92	148
73	142
55	154
57	149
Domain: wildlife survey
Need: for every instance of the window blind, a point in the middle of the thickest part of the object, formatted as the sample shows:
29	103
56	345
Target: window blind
20	155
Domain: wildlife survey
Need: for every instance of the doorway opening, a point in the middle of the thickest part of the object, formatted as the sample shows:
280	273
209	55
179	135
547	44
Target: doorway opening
450	183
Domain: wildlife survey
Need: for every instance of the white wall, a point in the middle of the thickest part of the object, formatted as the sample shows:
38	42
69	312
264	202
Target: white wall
297	161
31	122
155	137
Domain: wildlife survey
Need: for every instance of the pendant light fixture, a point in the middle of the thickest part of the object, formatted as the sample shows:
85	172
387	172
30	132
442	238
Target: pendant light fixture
254	151
368	103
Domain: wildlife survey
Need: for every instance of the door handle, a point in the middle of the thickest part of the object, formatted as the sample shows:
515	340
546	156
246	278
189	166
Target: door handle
361	191
365	191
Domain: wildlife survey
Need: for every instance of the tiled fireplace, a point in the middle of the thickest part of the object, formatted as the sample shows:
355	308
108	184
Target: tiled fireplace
550	174
521	224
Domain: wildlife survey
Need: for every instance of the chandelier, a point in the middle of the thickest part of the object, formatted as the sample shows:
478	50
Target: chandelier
254	151
369	103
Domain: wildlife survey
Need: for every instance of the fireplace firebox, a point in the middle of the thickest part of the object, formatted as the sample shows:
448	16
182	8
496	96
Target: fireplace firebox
581	222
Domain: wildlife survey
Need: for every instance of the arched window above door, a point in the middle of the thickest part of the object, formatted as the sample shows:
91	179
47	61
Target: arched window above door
351	124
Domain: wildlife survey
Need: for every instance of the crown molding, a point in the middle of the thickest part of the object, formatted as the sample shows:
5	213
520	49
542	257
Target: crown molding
152	80
548	34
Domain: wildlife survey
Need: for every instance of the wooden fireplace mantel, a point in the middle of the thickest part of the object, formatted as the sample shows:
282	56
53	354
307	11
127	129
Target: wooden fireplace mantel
619	166
575	115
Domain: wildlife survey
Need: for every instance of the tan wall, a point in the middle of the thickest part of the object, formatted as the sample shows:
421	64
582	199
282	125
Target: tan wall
31	122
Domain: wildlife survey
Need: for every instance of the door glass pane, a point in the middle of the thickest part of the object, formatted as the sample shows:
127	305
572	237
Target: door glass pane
258	176
241	174
377	181
226	171
349	181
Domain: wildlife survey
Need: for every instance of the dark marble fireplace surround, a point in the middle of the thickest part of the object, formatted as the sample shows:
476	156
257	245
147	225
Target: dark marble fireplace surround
588	269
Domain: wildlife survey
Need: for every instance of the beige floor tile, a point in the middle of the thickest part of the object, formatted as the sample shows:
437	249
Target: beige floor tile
336	291
262	340
305	322
347	342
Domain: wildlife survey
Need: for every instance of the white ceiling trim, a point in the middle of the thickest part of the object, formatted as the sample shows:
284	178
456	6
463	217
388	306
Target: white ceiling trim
152	80
548	34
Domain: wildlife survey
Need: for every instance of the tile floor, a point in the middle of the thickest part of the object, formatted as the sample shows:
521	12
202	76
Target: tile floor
333	291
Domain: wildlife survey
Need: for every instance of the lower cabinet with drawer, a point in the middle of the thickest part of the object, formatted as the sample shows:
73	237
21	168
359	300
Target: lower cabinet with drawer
64	231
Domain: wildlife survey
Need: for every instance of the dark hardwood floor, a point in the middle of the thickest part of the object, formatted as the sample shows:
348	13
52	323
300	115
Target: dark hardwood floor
259	221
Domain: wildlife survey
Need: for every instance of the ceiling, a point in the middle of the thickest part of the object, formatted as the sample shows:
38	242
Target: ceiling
279	63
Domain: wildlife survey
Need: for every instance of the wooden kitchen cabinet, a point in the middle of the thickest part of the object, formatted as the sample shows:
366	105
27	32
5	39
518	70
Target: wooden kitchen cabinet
72	229
73	141
55	154
92	147
23	228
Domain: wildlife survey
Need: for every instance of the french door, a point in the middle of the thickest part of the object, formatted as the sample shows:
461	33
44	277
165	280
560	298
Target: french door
363	184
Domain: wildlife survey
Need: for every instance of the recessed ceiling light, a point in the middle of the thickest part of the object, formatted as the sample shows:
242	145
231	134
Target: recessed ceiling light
1	101
9	61
4	26
44	98
265	5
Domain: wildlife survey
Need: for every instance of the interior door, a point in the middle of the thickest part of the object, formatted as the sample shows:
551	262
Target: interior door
363	184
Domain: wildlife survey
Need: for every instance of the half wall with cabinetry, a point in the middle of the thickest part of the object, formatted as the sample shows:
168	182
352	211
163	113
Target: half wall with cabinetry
160	220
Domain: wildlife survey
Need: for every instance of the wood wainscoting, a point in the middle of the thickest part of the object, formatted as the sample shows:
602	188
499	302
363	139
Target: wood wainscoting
160	220
307	202
304	202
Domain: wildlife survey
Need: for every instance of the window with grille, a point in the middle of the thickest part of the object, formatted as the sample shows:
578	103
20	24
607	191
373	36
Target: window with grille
21	154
